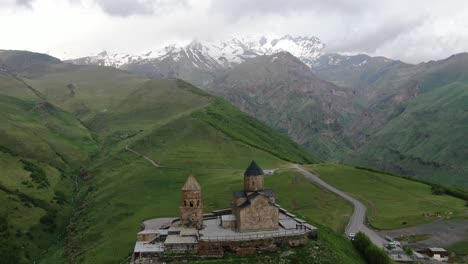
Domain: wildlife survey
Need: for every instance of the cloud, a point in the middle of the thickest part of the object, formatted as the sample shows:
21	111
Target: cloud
412	31
124	8
12	4
25	3
244	8
369	40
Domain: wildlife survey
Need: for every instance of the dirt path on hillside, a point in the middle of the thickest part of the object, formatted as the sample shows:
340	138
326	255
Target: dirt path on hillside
143	156
165	167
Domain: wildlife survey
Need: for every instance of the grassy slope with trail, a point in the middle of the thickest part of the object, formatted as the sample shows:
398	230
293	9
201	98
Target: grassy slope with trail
176	125
168	120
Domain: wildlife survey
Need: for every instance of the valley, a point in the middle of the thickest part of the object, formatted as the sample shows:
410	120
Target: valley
372	111
86	190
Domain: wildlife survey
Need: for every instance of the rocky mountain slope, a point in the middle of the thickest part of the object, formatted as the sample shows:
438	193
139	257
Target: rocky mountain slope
200	60
414	115
281	90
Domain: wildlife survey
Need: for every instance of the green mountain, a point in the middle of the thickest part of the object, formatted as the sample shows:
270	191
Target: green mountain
415	116
42	148
75	190
74	193
373	111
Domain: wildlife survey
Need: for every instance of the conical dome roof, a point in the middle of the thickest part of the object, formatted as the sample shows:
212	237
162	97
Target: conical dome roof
253	170
191	184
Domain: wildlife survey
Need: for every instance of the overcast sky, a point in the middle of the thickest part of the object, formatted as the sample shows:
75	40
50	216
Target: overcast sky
410	30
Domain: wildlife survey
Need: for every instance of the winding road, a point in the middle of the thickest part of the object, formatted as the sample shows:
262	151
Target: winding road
358	219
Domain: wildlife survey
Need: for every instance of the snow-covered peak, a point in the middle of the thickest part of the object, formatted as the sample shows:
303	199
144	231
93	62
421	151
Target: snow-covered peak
106	59
225	53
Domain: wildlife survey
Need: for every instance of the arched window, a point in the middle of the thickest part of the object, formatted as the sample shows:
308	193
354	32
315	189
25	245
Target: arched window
198	202
185	203
253	183
191	203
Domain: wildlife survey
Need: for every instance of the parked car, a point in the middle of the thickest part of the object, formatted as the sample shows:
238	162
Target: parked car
351	236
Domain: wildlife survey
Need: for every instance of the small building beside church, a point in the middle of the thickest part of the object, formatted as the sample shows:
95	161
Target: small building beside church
254	222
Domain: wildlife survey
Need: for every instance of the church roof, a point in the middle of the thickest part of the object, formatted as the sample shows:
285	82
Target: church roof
191	184
266	192
253	170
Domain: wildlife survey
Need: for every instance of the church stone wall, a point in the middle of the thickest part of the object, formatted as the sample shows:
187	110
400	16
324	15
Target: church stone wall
253	183
191	209
259	216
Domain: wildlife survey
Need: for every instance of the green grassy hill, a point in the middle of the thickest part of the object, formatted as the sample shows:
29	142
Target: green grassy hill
414	118
41	146
432	146
73	193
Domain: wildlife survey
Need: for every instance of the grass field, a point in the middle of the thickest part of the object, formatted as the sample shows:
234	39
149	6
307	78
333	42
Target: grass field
78	138
127	189
304	198
392	202
460	248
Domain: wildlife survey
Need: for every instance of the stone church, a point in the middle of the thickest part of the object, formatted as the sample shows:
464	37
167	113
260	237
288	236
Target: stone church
254	207
254	222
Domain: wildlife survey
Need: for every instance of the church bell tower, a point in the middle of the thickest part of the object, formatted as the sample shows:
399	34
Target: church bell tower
191	207
253	178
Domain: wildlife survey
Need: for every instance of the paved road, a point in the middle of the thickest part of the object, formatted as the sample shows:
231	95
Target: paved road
358	219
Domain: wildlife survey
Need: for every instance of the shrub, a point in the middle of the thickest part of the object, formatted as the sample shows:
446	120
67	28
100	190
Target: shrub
437	190
60	197
9	252
49	221
375	255
3	224
408	250
37	173
371	253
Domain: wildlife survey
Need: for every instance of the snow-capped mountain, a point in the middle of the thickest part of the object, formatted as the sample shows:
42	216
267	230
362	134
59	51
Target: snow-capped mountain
216	54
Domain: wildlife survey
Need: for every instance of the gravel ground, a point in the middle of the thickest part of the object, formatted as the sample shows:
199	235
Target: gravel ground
443	233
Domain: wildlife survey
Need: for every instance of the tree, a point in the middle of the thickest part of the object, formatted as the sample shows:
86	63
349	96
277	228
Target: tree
408	250
375	255
361	242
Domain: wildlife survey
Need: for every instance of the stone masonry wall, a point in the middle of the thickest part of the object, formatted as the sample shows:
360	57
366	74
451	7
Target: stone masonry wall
260	215
208	248
253	183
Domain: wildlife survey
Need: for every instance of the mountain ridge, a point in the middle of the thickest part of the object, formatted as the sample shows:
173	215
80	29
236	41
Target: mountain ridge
224	53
